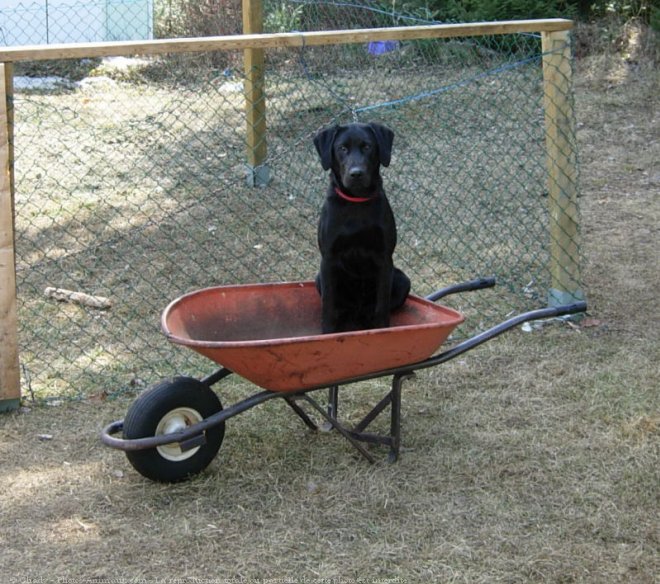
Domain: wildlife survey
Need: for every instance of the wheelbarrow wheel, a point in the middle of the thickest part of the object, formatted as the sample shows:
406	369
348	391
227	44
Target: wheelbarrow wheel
169	407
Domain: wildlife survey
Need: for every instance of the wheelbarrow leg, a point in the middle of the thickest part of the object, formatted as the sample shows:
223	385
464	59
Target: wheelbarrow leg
301	413
343	431
332	408
333	401
395	420
357	434
392	399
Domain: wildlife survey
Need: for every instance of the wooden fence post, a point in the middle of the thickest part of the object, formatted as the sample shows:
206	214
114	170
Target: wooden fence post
10	379
562	169
255	99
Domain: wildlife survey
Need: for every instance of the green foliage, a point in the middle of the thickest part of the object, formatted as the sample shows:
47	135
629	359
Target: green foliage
213	17
642	9
184	18
654	18
283	17
489	10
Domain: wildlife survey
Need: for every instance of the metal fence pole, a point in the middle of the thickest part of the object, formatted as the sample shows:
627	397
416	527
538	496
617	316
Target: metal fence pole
10	381
562	170
258	173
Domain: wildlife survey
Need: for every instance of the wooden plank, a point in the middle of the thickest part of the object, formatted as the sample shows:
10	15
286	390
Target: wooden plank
10	391
255	97
562	169
268	41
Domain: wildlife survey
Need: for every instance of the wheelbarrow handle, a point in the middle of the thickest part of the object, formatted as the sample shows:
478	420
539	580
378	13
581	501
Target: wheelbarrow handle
567	309
491	333
477	284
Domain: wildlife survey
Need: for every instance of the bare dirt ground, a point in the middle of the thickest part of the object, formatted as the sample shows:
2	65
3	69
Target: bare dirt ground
533	459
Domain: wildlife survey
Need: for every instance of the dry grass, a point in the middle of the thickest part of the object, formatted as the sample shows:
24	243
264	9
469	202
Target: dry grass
534	458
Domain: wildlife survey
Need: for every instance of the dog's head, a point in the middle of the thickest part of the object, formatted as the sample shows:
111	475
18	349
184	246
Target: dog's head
355	153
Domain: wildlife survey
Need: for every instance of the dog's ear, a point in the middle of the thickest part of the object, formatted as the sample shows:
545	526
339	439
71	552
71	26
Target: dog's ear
323	142
384	139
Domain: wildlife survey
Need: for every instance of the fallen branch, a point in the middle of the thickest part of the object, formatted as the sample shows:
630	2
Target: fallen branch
78	298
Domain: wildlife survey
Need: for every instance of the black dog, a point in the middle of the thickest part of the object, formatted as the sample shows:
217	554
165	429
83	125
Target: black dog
358	283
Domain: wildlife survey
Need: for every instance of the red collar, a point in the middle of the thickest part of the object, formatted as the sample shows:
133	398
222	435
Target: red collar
350	199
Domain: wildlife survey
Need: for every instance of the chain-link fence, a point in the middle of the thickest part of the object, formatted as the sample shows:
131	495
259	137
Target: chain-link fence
130	183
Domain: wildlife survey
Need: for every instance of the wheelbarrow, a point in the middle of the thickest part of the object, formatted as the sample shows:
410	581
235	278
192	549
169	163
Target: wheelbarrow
270	335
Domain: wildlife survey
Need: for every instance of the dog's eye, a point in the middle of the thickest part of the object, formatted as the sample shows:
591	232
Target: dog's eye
366	147
343	149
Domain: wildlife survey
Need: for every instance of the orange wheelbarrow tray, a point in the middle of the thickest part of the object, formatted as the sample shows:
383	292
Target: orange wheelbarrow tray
270	335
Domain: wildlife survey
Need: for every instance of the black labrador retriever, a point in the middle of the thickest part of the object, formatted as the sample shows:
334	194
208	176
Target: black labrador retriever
358	282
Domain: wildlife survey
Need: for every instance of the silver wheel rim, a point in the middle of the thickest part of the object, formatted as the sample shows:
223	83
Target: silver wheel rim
175	421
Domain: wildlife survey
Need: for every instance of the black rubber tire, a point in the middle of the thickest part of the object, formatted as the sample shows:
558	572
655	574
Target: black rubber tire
151	407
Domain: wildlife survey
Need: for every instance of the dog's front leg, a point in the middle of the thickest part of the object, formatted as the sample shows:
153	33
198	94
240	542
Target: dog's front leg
327	289
383	295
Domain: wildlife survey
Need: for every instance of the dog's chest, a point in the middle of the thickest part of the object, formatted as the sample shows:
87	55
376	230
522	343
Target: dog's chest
361	250
362	232
357	235
362	227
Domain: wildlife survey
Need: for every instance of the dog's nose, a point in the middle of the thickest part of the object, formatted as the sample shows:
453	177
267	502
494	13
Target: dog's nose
356	172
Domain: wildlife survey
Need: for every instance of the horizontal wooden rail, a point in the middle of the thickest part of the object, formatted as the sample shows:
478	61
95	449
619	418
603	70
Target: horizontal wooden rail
270	41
